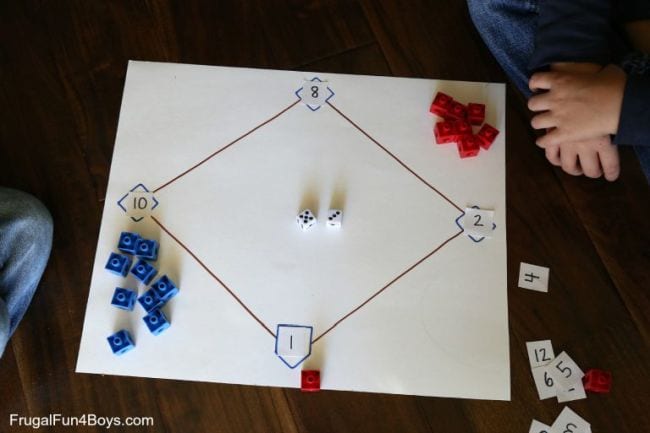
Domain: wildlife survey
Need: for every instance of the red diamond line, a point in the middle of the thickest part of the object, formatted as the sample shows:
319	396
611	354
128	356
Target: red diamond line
374	295
392	155
213	275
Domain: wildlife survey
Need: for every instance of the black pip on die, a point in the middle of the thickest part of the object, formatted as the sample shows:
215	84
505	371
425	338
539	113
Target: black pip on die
334	218
306	219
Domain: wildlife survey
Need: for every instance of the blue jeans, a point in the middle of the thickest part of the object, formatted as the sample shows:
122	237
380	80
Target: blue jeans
25	244
508	29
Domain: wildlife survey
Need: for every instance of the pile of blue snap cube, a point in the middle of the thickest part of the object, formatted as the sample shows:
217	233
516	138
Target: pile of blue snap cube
134	247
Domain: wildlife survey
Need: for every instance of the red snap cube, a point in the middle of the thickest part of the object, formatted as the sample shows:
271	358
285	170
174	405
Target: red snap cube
469	146
487	135
445	132
457	111
463	128
476	113
597	381
441	104
310	380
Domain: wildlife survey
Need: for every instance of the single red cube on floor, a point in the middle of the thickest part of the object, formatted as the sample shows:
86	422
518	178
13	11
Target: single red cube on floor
310	380
469	146
476	113
597	381
441	104
487	135
445	132
463	128
457	111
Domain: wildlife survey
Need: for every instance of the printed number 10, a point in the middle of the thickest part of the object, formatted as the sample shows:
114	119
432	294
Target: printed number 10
140	203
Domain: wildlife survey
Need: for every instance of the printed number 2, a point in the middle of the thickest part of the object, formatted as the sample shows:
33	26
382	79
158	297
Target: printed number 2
569	428
478	222
314	91
564	370
542	350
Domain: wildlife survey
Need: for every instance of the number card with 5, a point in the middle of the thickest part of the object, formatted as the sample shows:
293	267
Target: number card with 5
564	371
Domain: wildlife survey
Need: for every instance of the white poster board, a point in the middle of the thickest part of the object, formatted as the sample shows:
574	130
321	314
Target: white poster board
397	300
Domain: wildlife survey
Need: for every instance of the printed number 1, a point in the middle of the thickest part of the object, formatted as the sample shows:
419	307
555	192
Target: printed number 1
314	91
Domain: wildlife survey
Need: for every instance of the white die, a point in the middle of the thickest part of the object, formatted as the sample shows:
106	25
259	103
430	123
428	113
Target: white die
306	219
334	218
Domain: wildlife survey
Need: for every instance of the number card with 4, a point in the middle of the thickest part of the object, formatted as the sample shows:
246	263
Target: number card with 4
564	371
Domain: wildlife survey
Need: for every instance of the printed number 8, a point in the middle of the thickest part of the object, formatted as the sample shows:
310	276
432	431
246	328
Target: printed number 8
569	428
314	91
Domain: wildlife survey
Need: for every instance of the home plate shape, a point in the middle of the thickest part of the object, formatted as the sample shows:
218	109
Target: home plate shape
293	343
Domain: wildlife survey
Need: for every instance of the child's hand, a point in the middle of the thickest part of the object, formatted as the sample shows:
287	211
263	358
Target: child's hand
593	157
577	106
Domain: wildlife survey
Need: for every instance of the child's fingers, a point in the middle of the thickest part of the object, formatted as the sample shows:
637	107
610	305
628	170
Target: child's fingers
569	159
541	81
553	137
590	163
610	162
541	102
543	120
553	155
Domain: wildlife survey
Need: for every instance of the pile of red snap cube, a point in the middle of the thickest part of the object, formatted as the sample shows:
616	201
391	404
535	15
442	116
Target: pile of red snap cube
457	125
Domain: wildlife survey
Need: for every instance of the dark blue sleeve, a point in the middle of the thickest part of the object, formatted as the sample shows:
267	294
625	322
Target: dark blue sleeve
634	124
632	10
572	31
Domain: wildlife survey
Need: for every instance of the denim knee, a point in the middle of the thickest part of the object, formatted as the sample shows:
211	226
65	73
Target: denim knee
26	214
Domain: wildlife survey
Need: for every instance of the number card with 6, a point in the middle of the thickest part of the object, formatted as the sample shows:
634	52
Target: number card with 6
544	383
564	371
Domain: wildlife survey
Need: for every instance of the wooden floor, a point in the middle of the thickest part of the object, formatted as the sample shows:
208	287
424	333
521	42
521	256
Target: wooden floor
62	69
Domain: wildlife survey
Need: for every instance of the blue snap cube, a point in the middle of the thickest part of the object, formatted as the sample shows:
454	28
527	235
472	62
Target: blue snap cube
165	288
147	249
128	242
121	342
156	322
150	300
123	299
118	264
143	271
